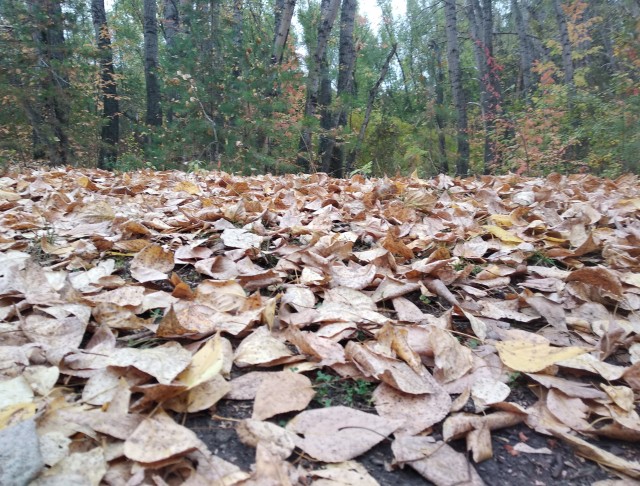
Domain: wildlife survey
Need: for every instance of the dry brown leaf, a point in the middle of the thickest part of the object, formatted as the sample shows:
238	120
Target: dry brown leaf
164	362
435	461
585	449
599	277
261	348
393	372
282	392
151	263
461	424
337	434
416	412
279	441
159	438
349	473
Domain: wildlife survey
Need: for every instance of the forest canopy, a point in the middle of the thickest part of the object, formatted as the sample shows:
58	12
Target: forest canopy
459	87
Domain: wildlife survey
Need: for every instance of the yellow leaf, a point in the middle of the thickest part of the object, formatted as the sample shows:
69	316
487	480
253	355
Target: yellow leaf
16	413
206	363
502	234
531	357
188	187
502	220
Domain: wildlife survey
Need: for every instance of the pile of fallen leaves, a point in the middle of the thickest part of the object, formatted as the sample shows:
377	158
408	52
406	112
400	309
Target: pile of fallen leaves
129	300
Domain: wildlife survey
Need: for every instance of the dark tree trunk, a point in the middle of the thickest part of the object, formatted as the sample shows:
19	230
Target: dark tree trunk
332	153
154	111
51	118
329	12
110	135
440	122
455	77
567	61
481	27
171	31
525	48
238	34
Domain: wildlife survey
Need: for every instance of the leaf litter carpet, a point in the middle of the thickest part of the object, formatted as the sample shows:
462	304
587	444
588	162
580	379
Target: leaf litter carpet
132	303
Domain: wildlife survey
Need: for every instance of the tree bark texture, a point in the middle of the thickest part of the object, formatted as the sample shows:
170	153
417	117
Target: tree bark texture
171	29
110	134
455	76
481	29
283	14
565	42
332	153
50	117
525	48
329	12
150	24
438	73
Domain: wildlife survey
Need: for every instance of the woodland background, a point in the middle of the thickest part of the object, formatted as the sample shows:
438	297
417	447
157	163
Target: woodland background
470	86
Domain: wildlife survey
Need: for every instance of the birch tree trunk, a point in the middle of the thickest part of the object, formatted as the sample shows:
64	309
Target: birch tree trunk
329	12
455	76
154	111
283	15
110	134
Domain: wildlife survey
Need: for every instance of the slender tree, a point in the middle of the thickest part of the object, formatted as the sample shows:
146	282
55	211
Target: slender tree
331	150
480	17
565	42
171	29
524	47
110	134
283	15
438	73
50	117
329	12
154	110
455	76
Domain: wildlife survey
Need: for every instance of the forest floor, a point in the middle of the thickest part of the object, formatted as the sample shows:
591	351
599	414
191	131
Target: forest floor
205	328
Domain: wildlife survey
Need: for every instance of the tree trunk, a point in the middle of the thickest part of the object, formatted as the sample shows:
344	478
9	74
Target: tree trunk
373	92
567	61
238	34
329	12
50	120
110	135
525	48
171	31
154	111
439	108
333	155
455	77
490	91
283	15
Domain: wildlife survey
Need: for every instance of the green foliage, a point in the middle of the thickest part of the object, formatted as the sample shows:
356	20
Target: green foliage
540	259
332	389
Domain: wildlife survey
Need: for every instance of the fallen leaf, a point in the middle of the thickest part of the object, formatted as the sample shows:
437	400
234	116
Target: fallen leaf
337	434
531	357
159	438
282	392
435	461
151	263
